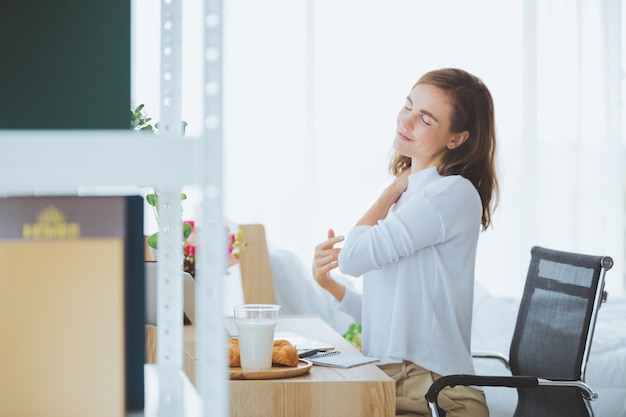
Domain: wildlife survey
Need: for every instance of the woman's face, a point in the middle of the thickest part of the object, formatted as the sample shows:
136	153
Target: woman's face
423	127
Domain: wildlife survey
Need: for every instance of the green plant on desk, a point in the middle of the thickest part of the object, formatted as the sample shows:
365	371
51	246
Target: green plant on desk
353	335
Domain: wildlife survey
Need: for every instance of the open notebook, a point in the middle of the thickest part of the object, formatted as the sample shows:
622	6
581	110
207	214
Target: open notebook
303	343
339	359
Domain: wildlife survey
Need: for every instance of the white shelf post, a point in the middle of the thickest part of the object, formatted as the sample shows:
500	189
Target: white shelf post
211	368
170	251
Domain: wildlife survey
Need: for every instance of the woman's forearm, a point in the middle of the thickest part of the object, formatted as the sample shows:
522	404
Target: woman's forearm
381	206
337	290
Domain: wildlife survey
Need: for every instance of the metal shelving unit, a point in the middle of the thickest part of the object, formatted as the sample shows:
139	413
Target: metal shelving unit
59	162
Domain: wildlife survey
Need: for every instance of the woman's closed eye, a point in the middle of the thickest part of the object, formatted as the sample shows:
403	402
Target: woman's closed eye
426	119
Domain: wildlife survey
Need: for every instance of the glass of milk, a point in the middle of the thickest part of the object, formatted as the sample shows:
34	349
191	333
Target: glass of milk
255	325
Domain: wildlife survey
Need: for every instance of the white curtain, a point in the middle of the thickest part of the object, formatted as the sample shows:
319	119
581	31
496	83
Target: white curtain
312	88
563	181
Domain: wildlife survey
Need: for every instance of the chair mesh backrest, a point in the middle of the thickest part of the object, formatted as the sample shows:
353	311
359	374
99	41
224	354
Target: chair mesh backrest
555	313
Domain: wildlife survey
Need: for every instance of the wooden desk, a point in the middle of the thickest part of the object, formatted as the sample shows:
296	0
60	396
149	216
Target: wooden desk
359	391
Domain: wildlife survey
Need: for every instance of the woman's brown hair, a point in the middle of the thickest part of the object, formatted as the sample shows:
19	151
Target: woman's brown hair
472	111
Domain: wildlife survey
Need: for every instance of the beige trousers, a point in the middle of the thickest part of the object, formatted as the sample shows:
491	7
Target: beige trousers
412	383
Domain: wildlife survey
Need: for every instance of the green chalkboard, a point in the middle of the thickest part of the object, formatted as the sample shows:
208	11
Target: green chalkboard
64	64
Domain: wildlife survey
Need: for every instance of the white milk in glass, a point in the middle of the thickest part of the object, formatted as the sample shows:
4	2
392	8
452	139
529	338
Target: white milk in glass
256	340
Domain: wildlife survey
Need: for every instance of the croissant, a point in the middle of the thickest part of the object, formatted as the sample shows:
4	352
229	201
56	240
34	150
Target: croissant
284	353
234	359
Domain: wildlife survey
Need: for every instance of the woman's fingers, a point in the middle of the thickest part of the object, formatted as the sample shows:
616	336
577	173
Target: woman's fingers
325	254
321	273
325	258
329	243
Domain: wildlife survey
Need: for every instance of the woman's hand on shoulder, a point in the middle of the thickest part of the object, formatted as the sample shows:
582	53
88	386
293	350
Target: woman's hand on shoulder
400	183
387	198
325	260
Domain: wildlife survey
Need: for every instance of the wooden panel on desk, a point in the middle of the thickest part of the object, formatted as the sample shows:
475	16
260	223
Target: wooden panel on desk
254	264
151	335
279	398
189	364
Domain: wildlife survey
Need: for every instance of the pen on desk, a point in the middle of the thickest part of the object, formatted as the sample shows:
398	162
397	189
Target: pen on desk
307	353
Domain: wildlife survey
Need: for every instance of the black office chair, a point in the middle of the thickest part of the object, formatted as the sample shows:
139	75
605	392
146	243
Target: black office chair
552	338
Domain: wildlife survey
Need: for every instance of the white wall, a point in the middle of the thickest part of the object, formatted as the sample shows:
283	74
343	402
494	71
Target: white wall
302	170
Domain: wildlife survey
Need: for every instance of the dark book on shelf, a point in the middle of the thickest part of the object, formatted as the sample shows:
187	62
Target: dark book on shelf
72	306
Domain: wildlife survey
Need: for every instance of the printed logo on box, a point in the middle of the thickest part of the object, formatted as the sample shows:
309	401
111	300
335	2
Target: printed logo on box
51	224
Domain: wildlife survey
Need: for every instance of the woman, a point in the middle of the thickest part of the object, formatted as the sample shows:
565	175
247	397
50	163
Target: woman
416	245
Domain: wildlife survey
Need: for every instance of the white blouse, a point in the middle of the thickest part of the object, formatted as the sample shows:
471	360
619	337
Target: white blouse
418	275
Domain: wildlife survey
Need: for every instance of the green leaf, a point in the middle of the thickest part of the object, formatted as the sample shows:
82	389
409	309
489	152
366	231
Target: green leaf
152	240
187	229
152	199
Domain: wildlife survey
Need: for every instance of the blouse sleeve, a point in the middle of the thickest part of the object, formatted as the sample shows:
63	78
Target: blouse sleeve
422	221
415	225
350	304
436	213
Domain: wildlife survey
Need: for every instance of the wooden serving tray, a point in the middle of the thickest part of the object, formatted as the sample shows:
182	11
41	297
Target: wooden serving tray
275	373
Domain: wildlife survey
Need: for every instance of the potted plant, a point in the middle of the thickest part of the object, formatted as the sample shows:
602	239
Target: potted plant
142	122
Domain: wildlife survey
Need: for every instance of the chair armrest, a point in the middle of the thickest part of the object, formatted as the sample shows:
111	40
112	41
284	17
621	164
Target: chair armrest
499	381
487	354
585	389
478	380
